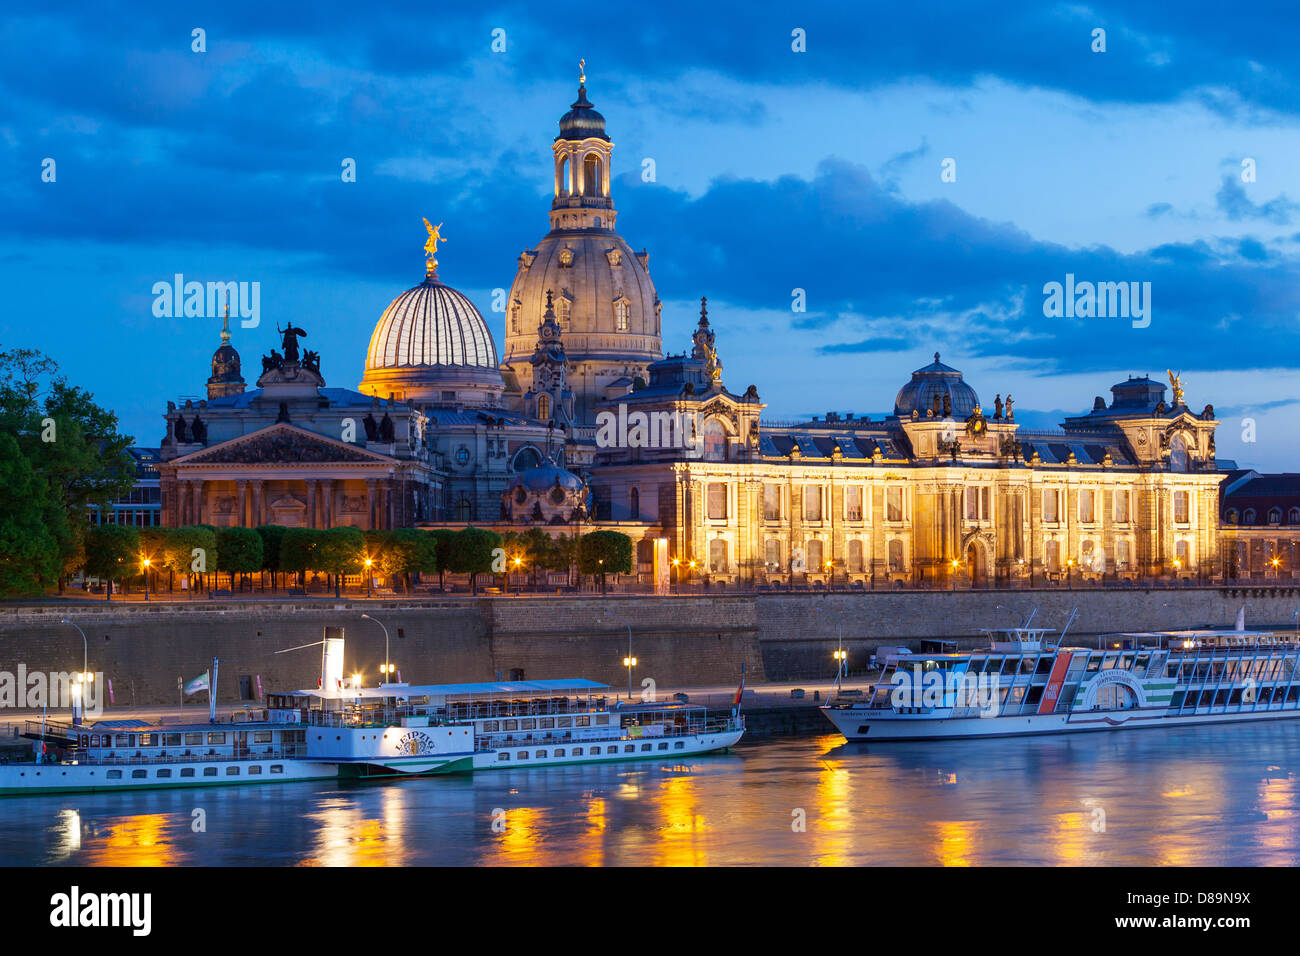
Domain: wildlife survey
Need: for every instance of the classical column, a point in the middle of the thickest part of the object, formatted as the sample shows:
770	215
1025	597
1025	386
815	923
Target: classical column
259	517
311	503
241	496
327	488
370	503
197	487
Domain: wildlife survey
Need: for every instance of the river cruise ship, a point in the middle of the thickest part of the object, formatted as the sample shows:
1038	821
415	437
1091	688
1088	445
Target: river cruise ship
1024	683
344	730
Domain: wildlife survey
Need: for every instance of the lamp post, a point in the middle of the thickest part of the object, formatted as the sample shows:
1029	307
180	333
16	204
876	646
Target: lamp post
956	565
518	562
1069	573
388	668
145	563
677	576
369	563
841	660
85	674
690	565
629	662
830	569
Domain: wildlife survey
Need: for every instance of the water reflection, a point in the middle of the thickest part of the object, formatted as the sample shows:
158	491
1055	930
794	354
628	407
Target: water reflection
1216	796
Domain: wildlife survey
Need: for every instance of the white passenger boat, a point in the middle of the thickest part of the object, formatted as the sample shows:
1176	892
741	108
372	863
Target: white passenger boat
1023	683
348	731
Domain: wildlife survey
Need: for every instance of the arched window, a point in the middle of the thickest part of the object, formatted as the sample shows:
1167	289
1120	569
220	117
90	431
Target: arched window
1053	555
526	458
1249	516
1181	554
855	556
562	177
715	441
1231	516
897	558
514	318
718	555
464	509
1293	516
562	306
772	554
634	505
620	315
543	407
1177	454
591	185
1274	515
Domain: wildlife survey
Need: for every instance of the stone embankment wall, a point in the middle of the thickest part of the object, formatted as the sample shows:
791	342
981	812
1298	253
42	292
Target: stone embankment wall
678	641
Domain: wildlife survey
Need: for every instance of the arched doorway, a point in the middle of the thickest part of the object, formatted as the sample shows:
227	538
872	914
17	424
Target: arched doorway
977	565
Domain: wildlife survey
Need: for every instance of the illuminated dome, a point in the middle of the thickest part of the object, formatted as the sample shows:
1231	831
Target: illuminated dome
432	344
936	379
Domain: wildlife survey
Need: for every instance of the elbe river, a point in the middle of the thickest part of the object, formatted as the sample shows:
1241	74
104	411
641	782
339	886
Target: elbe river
1195	795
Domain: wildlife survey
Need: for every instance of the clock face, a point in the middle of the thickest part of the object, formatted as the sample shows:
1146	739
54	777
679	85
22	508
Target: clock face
462	456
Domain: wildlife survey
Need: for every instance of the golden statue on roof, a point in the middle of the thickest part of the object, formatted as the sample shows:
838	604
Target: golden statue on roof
431	247
1176	382
582	72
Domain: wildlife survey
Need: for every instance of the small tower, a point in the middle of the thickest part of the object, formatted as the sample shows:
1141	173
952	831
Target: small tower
582	157
226	378
704	350
549	399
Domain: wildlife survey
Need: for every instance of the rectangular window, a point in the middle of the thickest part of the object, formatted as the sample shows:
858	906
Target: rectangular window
1086	506
512	725
546	723
1051	497
853	503
717	501
173	740
255	769
595	751
261	736
503	756
1122	557
894	503
812	503
232	771
164	773
772	502
1182	507
564	721
209	771
188	771
772	553
217	738
1121	506
528	724
977	503
559	751
602	720
192	739
584	721
577	751
491	726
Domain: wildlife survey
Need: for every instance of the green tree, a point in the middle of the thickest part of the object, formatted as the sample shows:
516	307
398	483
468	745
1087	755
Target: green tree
342	551
471	553
112	553
605	552
298	549
272	536
443	539
29	554
191	552
72	444
239	551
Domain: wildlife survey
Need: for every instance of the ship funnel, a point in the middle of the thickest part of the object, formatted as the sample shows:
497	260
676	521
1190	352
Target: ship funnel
331	661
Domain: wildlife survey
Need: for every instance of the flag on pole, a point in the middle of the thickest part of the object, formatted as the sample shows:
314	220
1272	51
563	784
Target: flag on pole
740	691
199	683
259	686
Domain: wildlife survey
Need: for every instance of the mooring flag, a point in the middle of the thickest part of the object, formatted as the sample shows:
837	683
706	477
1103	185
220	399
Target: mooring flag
199	683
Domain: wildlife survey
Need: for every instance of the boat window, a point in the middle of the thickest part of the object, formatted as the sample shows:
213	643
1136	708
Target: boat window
209	771
490	726
277	768
546	723
564	721
511	725
218	738
992	665
193	739
594	751
261	736
164	773
679	745
187	771
146	740
527	724
602	720
115	775
645	747
577	751
173	740
523	755
664	745
1027	664
139	774
1045	664
122	740
584	721
1094	662
255	770
503	756
559	752
541	754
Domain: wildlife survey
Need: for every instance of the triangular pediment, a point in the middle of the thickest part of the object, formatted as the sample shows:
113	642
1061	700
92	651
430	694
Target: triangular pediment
282	444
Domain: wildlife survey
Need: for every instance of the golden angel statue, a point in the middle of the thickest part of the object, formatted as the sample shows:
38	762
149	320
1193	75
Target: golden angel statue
1176	382
431	246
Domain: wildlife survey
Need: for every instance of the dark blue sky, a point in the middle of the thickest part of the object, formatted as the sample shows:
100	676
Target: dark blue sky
775	170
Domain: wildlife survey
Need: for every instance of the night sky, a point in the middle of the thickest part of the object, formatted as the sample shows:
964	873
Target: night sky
774	170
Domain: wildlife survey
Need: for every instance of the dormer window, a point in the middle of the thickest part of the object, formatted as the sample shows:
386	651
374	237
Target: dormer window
1275	516
620	314
566	258
562	306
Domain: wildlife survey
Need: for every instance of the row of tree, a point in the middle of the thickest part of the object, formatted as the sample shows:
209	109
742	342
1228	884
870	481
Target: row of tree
119	553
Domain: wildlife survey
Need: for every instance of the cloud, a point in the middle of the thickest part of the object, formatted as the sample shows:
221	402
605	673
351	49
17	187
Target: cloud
1236	205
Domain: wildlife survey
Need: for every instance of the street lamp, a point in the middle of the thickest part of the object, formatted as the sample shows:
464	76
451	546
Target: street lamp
389	667
828	567
956	565
629	662
145	562
841	659
677	576
691	567
85	669
369	563
518	562
1069	568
